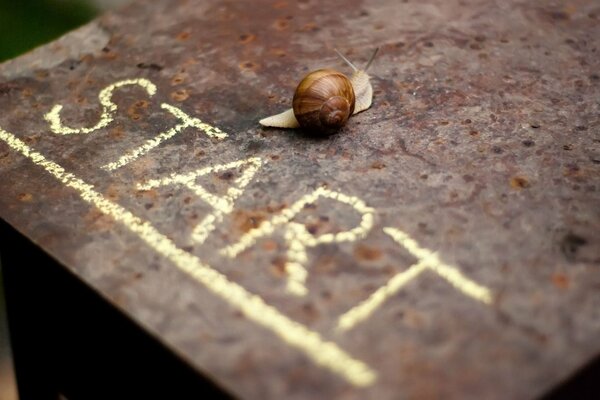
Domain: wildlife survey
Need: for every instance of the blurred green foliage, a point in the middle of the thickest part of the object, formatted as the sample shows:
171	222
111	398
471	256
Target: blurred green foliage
25	24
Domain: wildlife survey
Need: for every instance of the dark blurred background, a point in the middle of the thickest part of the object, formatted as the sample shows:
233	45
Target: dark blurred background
24	25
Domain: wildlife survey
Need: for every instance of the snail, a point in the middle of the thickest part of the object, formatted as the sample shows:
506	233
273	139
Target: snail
325	99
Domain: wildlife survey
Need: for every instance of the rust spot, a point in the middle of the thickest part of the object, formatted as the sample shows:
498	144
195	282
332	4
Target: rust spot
185	35
109	55
151	66
275	157
245	220
97	220
226	176
476	46
25	197
31	139
248	66
281	24
180	95
134	111
112	192
279	52
519	182
561	281
278	266
309	27
367	253
41	74
116	133
269	245
474	133
178	78
247	38
377	164
151	194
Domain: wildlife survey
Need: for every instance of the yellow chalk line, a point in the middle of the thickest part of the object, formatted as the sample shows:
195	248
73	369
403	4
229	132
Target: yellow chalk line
222	205
428	260
108	113
108	108
298	238
324	353
452	274
160	138
365	309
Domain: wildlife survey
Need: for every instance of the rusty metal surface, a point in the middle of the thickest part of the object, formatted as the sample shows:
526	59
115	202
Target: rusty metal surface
482	145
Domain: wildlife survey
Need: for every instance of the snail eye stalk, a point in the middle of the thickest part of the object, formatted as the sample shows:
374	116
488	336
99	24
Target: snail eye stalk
371	59
346	60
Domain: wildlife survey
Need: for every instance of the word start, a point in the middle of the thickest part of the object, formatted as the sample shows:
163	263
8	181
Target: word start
298	239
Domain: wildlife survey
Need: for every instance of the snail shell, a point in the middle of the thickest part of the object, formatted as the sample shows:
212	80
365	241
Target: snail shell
363	97
324	100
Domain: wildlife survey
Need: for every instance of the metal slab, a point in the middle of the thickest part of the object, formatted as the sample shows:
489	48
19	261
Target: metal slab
444	244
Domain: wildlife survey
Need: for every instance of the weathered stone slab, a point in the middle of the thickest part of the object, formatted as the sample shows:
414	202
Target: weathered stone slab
444	244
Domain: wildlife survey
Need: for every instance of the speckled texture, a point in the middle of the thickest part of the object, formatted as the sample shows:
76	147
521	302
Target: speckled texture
483	143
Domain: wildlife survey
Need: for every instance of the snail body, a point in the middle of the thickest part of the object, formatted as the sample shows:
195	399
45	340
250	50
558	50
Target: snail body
325	99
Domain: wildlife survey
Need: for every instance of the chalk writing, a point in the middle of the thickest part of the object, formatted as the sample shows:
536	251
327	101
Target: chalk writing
298	238
187	122
324	353
108	108
428	260
222	205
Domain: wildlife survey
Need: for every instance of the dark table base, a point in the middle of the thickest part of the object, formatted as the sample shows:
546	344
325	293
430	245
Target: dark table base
67	340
